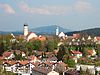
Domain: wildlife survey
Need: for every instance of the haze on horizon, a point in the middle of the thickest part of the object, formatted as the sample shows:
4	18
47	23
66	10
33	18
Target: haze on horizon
69	14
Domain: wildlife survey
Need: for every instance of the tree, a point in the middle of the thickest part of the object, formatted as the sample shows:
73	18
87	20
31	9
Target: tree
1	48
61	52
59	68
37	44
71	63
98	49
49	46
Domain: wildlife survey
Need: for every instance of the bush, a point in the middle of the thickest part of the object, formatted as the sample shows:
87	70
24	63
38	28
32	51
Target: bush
71	63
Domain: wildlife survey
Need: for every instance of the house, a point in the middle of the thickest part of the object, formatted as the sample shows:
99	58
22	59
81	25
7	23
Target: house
8	55
52	59
62	35
41	38
30	36
89	38
77	54
10	66
74	58
23	54
33	59
91	53
97	40
76	36
41	69
44	68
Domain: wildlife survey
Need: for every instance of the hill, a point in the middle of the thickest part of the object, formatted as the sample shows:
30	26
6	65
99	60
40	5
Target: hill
48	29
93	31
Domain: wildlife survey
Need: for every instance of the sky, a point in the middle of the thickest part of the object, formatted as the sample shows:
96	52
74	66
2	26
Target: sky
69	14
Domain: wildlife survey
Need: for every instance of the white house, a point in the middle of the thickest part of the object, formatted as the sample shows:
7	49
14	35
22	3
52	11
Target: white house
61	35
76	53
89	38
31	35
23	54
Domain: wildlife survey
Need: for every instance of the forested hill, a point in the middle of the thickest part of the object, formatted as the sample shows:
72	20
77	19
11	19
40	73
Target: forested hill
93	31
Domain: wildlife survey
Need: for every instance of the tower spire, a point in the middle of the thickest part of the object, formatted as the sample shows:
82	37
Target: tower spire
25	29
57	30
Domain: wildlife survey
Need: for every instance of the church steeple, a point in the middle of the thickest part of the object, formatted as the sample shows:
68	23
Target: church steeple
25	29
57	31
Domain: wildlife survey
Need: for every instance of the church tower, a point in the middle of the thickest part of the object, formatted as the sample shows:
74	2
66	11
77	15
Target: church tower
57	31
25	29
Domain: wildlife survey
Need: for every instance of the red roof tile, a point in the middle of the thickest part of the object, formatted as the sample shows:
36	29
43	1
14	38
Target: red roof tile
24	62
76	52
10	62
7	54
90	52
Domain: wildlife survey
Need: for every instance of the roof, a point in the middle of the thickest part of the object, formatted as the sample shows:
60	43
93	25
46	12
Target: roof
43	70
24	62
31	33
76	35
98	38
32	58
52	58
1	58
10	62
41	38
7	54
76	52
35	63
62	34
63	64
90	52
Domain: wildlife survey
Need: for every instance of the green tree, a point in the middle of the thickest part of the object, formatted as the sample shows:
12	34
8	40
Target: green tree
71	63
1	48
49	46
37	44
98	49
61	52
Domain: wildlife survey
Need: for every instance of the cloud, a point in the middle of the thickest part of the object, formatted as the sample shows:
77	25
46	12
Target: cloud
83	6
80	6
45	10
7	8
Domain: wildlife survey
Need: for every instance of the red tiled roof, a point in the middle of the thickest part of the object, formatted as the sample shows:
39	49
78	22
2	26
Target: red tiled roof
32	57
36	63
24	62
62	63
72	57
1	58
42	70
76	52
48	63
10	62
7	54
76	35
90	52
98	38
42	38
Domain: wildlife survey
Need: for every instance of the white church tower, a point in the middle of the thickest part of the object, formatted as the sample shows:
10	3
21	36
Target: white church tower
25	29
57	31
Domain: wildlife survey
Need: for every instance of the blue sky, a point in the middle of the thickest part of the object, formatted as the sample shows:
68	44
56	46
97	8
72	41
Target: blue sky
69	14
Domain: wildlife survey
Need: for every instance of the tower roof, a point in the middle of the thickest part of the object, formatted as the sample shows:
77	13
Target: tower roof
25	24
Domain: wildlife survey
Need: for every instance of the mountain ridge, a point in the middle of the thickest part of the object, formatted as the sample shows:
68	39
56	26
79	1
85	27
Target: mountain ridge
48	29
92	31
52	29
